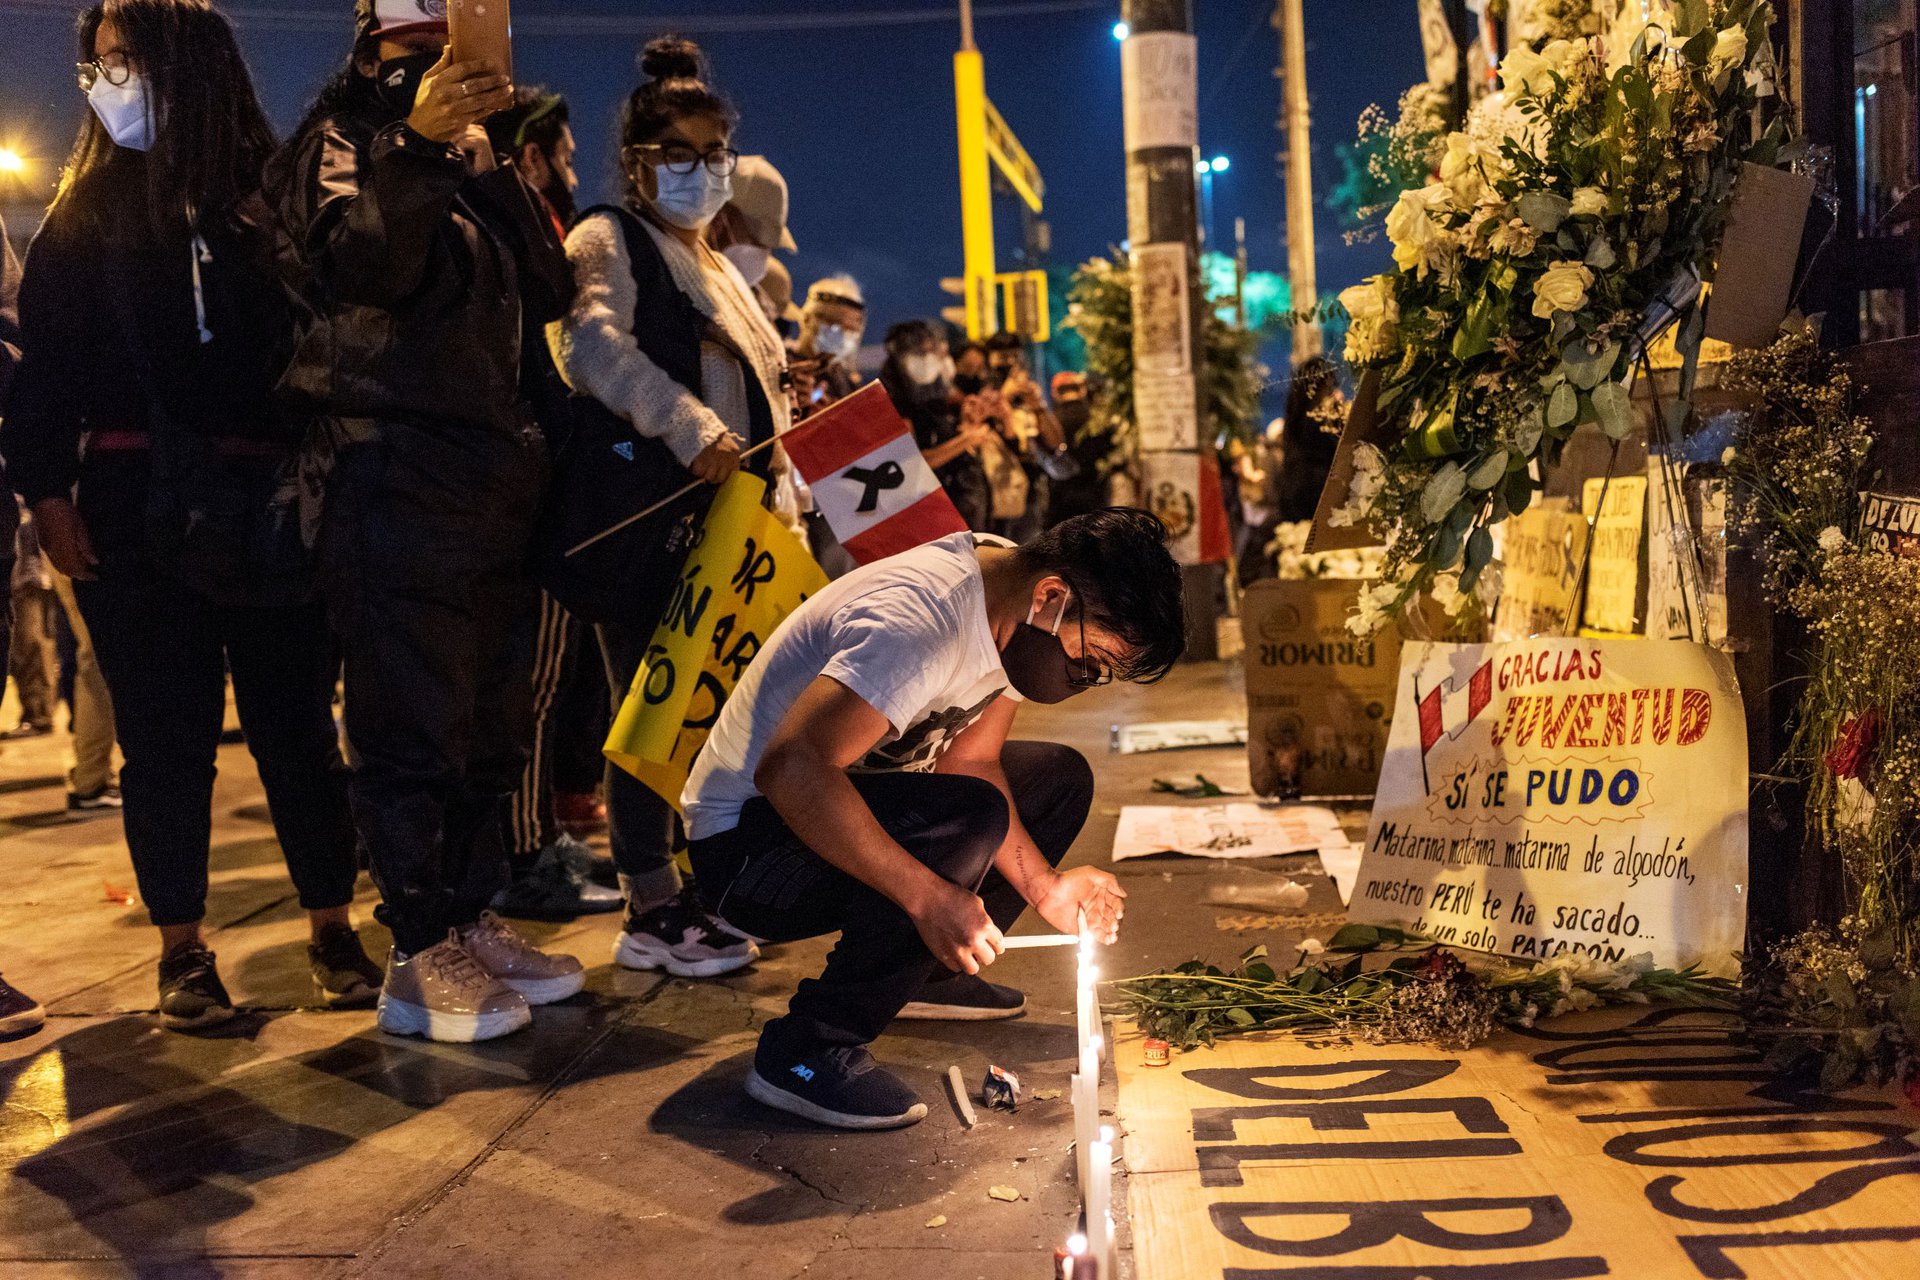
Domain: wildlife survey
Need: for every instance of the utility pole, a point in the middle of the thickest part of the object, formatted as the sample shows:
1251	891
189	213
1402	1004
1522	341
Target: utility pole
1178	475
976	181
1297	155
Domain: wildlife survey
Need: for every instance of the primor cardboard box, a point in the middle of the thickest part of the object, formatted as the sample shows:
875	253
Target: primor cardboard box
1319	698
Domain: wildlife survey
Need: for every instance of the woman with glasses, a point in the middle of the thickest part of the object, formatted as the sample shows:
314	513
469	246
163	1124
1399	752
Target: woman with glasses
426	257
667	336
153	329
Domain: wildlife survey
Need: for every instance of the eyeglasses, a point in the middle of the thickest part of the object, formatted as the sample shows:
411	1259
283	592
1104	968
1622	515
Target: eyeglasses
1087	671
677	157
111	67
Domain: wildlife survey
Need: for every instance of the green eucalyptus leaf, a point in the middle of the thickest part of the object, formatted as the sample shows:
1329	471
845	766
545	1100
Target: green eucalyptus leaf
1479	554
1613	409
1354	937
1527	435
1443	488
1600	254
1489	471
1562	405
1519	491
1587	368
1446	547
1544	211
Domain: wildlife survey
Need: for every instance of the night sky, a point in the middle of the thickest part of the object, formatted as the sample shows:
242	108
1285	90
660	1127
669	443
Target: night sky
860	117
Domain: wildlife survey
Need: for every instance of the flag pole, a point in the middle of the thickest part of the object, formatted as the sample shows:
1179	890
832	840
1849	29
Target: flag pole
675	496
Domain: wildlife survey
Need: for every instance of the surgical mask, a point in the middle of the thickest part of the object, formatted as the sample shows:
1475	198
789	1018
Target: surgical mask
921	368
751	259
1037	664
398	80
970	384
690	200
123	112
835	340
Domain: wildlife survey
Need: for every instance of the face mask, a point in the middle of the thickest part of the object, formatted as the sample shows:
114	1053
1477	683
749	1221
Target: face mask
1037	664
690	200
837	341
122	109
751	259
969	384
1072	414
922	368
398	79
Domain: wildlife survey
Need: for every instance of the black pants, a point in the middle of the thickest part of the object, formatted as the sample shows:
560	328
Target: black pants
166	652
760	878
423	560
641	827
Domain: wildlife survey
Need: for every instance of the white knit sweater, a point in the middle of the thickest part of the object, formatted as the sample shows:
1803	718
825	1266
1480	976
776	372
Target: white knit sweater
597	355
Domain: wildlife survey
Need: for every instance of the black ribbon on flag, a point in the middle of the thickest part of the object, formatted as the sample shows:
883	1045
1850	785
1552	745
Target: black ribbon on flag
888	475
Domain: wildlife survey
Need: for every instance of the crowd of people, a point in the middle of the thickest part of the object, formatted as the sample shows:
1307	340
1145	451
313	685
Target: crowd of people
318	416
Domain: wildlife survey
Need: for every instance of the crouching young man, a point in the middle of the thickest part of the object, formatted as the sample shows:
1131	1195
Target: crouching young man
860	780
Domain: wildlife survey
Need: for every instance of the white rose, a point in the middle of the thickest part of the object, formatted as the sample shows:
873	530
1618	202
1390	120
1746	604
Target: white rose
1588	201
1565	56
1523	71
1729	48
1418	241
1375	315
1562	288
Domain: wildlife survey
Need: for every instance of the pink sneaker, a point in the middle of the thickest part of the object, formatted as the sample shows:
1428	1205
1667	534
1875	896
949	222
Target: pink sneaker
541	978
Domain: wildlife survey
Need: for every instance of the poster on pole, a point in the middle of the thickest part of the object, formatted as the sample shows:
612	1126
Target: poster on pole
1183	489
1564	796
1160	90
1165	412
1162	321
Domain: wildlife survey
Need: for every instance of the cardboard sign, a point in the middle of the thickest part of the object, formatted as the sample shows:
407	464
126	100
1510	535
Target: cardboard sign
1686	552
1540	552
741	580
1162	321
1890	522
1561	796
1754	276
1165	411
1614	583
1632	1143
1319	700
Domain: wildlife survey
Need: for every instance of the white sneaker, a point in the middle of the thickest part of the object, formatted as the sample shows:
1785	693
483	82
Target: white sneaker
442	993
540	977
684	939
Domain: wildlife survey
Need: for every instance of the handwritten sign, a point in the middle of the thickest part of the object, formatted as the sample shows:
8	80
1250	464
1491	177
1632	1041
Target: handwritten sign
1890	522
1564	796
1541	557
745	574
1625	1142
1613	574
1160	90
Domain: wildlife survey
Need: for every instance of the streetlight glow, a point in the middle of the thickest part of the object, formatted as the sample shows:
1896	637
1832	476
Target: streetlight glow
1204	166
1221	164
1121	31
12	161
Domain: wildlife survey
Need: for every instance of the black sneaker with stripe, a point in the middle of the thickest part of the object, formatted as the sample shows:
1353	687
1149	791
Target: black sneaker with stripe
841	1087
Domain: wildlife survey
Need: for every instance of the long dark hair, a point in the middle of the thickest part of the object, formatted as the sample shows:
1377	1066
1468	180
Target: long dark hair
675	88
211	138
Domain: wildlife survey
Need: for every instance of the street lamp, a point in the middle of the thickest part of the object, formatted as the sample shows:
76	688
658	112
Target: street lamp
1206	169
1121	31
12	161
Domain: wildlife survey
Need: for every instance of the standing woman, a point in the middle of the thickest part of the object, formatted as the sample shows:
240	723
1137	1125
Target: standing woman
666	334
153	330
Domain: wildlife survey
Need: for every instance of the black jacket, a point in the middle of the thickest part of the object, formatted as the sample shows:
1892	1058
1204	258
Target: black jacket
108	320
9	360
423	273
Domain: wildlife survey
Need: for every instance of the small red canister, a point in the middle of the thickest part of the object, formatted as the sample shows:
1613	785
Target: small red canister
1157	1053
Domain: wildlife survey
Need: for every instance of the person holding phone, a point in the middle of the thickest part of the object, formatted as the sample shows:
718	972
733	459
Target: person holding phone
425	256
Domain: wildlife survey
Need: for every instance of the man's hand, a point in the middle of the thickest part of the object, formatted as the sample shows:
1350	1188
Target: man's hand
454	95
477	147
63	536
717	461
954	925
1083	890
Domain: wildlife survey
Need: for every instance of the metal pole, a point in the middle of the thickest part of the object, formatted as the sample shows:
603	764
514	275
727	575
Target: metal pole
976	182
1287	16
1240	272
966	25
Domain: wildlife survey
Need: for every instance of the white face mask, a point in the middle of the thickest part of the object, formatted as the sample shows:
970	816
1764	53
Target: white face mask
836	341
122	109
690	200
751	259
922	366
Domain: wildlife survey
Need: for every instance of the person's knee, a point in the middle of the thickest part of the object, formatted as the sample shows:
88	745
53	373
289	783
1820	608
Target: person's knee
979	821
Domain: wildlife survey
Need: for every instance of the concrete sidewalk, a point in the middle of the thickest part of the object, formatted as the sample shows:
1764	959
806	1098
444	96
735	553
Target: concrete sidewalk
610	1140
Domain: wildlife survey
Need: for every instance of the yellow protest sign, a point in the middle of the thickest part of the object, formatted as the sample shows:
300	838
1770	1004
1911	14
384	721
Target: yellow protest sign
744	575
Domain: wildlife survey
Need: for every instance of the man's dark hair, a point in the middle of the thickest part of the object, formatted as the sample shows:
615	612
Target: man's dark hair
909	336
1012	342
211	138
1117	562
537	115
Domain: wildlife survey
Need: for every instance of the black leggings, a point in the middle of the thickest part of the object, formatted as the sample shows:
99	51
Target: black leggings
760	878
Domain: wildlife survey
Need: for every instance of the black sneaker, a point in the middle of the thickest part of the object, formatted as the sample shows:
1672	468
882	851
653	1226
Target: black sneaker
962	997
191	993
842	1088
344	976
554	889
20	1013
103	803
683	938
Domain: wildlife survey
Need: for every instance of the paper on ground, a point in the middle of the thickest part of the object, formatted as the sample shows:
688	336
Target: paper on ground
1342	863
1225	830
1172	735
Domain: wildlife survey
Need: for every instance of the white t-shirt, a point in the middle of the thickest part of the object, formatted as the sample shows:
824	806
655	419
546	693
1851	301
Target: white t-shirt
909	634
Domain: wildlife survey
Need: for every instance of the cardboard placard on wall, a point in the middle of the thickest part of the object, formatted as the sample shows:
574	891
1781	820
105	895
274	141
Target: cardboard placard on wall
1319	699
1564	795
1753	279
1616	589
1540	570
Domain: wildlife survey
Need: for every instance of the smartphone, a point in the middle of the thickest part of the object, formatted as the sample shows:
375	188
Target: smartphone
481	30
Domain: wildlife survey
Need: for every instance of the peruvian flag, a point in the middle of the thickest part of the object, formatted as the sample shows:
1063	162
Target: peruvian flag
1445	702
877	493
